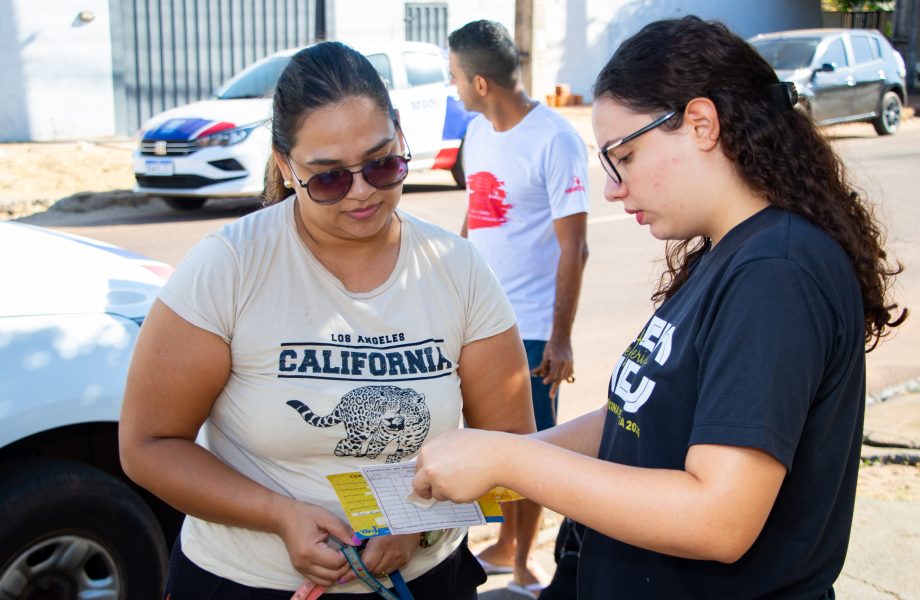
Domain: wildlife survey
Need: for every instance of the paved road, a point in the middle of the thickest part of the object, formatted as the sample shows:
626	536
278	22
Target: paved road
619	279
624	263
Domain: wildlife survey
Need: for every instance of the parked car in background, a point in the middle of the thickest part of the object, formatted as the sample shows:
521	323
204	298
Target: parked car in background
72	524
841	75
219	148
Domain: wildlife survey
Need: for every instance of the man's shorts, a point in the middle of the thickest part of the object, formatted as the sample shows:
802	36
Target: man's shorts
544	409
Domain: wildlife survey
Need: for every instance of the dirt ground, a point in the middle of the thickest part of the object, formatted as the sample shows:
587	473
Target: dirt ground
34	177
889	482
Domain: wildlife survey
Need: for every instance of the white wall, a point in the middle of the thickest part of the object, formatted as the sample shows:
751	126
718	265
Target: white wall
462	12
365	21
581	35
374	21
577	36
56	75
57	70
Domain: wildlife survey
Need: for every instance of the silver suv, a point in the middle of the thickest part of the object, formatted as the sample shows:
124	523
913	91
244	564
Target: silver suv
842	75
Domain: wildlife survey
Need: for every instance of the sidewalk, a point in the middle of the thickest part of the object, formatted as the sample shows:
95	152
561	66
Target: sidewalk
884	553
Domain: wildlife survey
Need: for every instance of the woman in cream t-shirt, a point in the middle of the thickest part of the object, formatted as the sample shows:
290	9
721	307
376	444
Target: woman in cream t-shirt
325	332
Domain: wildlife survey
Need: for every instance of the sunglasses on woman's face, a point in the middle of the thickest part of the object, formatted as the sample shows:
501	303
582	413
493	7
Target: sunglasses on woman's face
383	173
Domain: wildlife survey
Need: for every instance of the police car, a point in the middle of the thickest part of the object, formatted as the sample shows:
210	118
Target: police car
72	524
219	148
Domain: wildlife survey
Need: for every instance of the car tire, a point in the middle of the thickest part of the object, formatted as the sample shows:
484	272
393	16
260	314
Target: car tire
889	114
457	169
184	203
70	530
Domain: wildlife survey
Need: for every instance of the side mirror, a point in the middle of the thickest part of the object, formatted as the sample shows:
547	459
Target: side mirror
824	68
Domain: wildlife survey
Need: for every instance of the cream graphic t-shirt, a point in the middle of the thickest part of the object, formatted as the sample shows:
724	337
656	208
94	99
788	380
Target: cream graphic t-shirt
324	380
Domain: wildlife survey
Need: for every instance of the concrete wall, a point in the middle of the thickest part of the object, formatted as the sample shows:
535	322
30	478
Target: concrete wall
57	70
581	35
463	11
56	78
372	21
577	36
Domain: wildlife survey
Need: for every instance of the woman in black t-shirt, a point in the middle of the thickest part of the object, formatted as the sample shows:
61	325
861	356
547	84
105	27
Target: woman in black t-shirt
724	462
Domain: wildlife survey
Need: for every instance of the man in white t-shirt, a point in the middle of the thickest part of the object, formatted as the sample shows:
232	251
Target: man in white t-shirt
526	176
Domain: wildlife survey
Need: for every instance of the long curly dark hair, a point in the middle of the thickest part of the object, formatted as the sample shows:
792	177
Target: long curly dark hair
777	151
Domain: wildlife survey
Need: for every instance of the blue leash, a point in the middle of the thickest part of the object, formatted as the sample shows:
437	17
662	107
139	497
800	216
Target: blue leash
399	584
353	556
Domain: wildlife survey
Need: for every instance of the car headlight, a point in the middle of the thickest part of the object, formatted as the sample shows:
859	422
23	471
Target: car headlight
227	137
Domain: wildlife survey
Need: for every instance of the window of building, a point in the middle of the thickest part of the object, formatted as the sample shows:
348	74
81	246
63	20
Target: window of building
427	22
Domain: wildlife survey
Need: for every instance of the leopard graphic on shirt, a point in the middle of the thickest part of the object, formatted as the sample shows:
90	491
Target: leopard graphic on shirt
375	415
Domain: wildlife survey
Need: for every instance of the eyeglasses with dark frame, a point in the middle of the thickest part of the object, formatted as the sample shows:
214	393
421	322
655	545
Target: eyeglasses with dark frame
384	173
604	153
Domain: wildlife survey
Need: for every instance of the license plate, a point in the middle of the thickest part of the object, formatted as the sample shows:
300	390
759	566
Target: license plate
160	168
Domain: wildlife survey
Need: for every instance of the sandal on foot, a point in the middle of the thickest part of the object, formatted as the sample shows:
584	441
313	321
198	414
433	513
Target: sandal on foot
491	569
531	590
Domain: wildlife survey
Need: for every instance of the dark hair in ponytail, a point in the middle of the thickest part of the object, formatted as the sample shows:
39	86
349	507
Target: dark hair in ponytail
324	74
776	150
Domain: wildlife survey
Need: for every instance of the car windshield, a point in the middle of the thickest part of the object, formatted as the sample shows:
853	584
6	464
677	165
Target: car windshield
789	53
257	81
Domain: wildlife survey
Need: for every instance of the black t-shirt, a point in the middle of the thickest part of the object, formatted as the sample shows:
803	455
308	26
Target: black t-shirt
762	347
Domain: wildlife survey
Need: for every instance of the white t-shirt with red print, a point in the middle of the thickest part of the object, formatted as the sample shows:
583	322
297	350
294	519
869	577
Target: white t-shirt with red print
519	181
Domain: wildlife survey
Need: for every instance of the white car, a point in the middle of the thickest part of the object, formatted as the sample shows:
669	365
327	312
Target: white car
72	525
219	148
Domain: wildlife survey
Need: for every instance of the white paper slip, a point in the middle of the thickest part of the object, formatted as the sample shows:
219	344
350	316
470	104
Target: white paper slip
391	485
416	500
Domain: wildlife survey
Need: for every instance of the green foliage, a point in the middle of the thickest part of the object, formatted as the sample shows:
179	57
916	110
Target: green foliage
859	5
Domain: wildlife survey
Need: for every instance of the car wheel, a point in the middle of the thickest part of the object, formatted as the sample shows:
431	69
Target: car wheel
72	531
457	169
184	203
889	116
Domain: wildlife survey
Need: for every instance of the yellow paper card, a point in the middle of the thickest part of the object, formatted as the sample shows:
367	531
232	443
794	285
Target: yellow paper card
361	508
501	494
366	518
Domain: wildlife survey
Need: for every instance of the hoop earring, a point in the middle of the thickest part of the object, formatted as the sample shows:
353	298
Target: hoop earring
288	184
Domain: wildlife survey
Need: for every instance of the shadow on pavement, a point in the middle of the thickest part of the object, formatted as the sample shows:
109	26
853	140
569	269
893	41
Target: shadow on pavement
418	188
124	207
